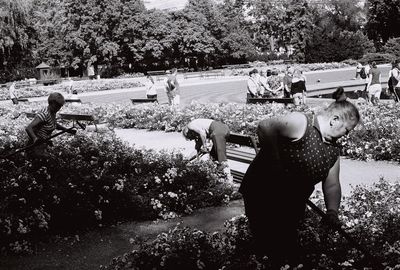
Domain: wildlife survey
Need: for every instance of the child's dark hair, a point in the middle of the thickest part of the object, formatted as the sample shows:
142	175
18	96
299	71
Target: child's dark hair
343	107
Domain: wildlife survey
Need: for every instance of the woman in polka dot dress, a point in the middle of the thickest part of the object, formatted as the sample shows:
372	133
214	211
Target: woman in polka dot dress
296	152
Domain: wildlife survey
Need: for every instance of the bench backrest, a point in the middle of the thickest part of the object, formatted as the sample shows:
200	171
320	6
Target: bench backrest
143	100
77	117
243	140
73	100
270	100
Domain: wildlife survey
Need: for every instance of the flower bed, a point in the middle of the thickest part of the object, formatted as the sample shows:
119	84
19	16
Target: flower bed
94	179
371	216
73	184
81	86
376	138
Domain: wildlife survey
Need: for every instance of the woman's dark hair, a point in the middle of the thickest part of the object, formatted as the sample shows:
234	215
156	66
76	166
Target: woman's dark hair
343	107
373	64
339	94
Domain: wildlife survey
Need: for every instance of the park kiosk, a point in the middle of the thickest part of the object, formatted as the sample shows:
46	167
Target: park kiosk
44	71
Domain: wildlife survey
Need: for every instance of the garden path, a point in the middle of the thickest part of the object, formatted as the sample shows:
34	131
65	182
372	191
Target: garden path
352	173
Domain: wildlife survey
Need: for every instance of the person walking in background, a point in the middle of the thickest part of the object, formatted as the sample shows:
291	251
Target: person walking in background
201	130
394	81
298	88
253	85
358	70
297	151
172	88
69	85
365	75
151	91
43	125
374	87
13	94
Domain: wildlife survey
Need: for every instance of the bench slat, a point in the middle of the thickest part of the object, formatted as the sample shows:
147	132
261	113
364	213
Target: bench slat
240	156
143	100
73	100
77	117
270	100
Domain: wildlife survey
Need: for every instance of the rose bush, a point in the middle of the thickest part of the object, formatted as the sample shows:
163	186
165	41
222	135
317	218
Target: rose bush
375	225
81	86
94	179
376	137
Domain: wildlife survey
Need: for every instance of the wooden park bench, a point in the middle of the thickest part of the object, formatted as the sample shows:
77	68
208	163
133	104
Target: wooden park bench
270	100
158	74
215	73
80	117
192	75
77	100
241	148
143	100
74	117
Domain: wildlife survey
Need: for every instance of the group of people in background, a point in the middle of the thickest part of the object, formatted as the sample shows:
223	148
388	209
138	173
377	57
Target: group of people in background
293	85
373	81
171	86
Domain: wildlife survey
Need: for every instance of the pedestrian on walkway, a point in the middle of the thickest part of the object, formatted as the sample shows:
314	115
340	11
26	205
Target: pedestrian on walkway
13	94
297	151
172	88
298	88
43	125
394	79
202	130
151	91
374	87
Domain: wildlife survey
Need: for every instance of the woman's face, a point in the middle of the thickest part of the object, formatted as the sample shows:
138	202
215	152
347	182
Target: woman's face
339	128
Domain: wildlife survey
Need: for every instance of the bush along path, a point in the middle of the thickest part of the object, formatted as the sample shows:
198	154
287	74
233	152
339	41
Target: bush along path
94	179
371	217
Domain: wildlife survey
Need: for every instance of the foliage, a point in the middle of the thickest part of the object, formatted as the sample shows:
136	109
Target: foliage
338	45
93	179
392	46
371	215
83	86
378	57
381	18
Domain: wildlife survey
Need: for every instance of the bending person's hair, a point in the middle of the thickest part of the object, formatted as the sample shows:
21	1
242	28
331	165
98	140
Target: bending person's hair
342	107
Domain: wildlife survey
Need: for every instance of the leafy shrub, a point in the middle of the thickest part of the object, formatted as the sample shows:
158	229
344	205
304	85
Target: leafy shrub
94	179
373	224
378	58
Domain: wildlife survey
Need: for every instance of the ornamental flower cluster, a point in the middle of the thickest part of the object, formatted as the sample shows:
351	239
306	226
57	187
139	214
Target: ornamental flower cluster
81	86
94	179
370	215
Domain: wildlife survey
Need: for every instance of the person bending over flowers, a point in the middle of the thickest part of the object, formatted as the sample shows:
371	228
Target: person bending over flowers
44	124
296	152
201	130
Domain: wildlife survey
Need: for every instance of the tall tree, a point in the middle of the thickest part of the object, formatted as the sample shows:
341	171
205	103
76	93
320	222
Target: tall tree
383	20
15	32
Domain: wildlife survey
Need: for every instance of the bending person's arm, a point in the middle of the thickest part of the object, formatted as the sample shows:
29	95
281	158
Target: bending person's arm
29	129
332	189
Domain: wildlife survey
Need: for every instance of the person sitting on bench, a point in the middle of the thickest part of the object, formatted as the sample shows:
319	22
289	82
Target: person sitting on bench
44	124
296	152
201	130
253	84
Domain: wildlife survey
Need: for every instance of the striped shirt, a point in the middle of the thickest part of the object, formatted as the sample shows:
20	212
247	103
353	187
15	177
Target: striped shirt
48	124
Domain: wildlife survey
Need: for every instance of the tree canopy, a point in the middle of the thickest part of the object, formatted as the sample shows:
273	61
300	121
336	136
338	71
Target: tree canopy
205	33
